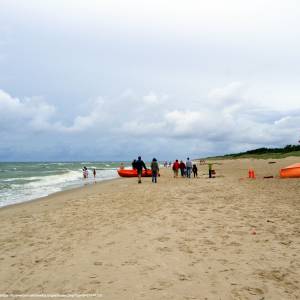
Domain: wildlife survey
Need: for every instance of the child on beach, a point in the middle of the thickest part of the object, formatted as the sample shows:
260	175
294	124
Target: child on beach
155	170
195	170
210	170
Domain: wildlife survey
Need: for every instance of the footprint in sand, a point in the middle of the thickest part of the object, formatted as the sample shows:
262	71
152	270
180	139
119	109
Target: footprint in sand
184	277
222	261
245	292
181	229
234	244
280	276
146	269
110	243
208	242
163	238
95	282
254	291
186	249
164	249
161	285
130	262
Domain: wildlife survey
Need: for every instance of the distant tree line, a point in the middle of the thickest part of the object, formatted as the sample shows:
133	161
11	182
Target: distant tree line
264	150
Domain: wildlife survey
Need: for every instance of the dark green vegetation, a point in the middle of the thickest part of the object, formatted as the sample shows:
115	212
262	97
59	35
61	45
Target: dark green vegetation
264	153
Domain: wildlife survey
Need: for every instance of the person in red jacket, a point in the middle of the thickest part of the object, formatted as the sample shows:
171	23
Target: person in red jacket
175	168
182	168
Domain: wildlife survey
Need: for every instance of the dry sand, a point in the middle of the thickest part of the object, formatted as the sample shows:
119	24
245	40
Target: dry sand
178	239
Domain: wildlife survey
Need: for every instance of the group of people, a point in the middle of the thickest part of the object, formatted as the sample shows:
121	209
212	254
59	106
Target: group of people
186	168
167	164
85	172
139	165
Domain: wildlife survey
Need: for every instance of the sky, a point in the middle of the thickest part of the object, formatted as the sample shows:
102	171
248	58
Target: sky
114	79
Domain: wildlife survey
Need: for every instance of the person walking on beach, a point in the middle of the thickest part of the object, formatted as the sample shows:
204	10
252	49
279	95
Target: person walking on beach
155	170
139	165
189	166
210	170
175	168
195	170
133	164
182	168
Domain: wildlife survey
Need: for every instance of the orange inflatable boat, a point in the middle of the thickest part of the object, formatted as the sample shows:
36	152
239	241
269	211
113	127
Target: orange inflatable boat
133	173
292	171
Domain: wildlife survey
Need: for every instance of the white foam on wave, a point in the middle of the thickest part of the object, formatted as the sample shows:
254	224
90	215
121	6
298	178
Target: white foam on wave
46	185
20	178
55	179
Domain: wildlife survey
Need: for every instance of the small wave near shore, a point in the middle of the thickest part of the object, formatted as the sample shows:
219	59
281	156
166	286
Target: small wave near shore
20	182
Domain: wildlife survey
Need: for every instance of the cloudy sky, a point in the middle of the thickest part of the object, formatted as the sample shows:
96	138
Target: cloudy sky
112	79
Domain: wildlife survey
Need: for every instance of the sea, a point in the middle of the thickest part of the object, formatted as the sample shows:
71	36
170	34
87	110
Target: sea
24	181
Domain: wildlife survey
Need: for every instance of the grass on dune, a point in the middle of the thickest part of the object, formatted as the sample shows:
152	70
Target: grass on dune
258	156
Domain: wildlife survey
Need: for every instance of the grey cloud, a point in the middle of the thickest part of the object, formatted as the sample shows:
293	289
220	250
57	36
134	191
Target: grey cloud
108	126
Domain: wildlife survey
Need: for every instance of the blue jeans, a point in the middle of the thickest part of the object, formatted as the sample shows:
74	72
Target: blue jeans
188	172
154	176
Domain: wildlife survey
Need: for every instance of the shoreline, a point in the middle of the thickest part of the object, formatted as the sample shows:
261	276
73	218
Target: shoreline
58	193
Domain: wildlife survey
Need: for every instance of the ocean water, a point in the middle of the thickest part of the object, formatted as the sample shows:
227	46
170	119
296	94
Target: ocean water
20	182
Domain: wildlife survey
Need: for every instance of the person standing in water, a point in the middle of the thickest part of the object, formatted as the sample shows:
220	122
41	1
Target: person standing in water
85	172
139	165
94	173
155	170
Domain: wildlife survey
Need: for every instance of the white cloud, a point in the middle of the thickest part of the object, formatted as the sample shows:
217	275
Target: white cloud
226	127
187	123
37	115
33	112
230	94
154	99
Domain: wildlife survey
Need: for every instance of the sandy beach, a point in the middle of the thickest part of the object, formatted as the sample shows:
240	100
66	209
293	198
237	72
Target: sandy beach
224	238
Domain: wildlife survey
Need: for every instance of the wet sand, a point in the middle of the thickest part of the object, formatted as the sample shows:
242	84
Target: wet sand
224	238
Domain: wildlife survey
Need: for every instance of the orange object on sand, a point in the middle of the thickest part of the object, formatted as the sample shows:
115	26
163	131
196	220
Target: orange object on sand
251	174
292	171
133	173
